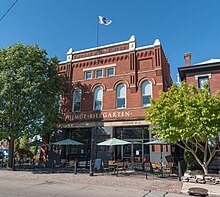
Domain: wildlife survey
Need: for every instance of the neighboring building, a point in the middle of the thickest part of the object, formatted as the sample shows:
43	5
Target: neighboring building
106	92
198	74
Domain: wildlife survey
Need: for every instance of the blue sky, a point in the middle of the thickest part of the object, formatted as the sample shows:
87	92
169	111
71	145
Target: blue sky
181	26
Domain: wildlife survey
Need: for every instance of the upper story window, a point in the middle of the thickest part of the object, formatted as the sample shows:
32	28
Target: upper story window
98	95
99	73
88	75
121	95
77	97
59	100
146	90
202	81
110	72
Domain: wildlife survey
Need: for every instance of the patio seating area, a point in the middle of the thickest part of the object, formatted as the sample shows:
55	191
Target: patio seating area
163	170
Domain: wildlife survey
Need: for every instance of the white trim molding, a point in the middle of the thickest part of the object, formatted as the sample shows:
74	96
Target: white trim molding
204	75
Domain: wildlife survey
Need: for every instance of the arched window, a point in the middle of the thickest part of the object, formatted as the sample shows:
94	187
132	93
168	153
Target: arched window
121	95
77	96
146	89
59	102
98	94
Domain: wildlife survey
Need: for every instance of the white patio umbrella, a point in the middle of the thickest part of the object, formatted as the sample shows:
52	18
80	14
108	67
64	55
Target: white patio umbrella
67	142
113	142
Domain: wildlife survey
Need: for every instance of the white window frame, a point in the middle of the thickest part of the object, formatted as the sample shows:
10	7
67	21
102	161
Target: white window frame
73	104
121	97
199	81
97	73
143	85
108	70
99	88
85	74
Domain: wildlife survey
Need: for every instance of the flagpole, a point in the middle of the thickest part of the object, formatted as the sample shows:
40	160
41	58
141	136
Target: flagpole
97	31
97	38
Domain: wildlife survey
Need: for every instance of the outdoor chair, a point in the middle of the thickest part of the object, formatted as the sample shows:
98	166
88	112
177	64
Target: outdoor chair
120	167
156	169
111	167
63	162
105	168
70	164
167	170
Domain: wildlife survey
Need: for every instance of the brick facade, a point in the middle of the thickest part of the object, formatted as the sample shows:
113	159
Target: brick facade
132	67
107	68
209	69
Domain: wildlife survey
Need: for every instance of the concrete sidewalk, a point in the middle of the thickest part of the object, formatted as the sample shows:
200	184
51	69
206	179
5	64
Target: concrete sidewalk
134	185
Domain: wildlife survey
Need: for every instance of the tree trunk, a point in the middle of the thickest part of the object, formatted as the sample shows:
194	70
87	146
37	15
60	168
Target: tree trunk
11	153
44	149
205	169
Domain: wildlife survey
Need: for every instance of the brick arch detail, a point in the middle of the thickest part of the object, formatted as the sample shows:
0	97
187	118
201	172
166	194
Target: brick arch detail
120	82
73	89
147	78
98	84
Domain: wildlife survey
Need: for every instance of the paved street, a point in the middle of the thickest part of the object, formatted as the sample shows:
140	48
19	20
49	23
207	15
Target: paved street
27	184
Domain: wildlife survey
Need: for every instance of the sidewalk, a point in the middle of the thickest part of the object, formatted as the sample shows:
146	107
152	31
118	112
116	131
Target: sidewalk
151	187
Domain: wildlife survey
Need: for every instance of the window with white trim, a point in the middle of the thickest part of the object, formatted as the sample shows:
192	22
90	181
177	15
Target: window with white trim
88	74
98	95
59	98
110	72
146	90
202	81
99	73
121	95
77	97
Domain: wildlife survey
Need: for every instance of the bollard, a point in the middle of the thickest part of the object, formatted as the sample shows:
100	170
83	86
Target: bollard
145	167
2	163
13	164
52	167
75	167
179	171
90	168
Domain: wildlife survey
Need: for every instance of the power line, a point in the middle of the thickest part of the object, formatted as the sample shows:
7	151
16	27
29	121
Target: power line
8	10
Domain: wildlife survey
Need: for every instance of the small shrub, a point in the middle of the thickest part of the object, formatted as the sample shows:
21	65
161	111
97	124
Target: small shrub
24	154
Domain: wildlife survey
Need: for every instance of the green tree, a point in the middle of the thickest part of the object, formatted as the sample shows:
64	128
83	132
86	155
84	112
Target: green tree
30	88
185	114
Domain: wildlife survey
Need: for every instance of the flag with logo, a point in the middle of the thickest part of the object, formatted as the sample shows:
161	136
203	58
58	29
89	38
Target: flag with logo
104	21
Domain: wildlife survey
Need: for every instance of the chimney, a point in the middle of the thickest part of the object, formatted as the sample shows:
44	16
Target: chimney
187	57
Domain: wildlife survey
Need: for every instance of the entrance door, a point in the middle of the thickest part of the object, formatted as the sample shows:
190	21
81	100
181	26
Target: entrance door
83	135
136	151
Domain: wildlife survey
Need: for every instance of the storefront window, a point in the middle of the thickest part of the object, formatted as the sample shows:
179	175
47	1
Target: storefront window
135	151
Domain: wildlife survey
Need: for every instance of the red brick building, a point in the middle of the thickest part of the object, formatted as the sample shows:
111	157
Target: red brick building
198	74
201	72
105	95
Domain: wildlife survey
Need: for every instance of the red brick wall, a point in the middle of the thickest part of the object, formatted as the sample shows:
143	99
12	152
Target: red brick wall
147	64
213	81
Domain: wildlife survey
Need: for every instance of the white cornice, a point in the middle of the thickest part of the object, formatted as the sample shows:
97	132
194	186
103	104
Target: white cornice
101	47
156	44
